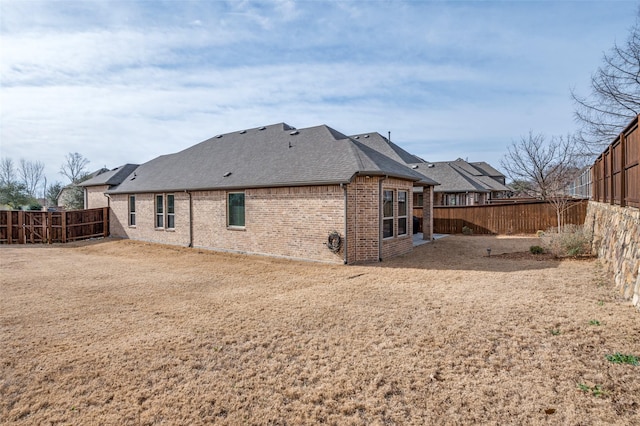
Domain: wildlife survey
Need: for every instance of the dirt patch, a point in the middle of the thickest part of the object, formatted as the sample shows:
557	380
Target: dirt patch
123	332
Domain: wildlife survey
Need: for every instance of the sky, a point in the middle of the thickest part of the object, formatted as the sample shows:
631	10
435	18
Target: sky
125	81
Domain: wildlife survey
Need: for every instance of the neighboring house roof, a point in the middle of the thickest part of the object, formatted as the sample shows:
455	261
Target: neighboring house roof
487	169
459	176
451	178
88	177
385	146
111	177
275	155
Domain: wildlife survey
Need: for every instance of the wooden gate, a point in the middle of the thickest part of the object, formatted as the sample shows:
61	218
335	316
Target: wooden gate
23	227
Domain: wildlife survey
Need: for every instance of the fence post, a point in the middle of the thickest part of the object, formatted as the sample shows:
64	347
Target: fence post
21	233
623	162
612	194
105	222
63	219
43	215
49	227
9	226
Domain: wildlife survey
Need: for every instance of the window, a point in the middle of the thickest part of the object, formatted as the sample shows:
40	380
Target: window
165	211
159	211
132	210
387	214
402	213
419	199
235	209
171	213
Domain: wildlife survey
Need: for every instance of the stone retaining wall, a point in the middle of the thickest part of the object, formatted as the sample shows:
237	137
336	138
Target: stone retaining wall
616	241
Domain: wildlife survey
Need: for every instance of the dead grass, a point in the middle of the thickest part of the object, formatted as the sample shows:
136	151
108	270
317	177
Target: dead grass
122	332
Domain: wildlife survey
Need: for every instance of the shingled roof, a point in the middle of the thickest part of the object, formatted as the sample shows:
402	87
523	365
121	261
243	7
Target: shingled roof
269	156
385	146
111	177
460	176
451	178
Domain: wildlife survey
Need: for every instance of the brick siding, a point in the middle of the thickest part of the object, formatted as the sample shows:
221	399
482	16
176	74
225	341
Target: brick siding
292	222
95	198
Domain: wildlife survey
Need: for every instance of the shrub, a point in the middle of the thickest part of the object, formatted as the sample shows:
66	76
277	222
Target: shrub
466	230
571	240
536	250
540	234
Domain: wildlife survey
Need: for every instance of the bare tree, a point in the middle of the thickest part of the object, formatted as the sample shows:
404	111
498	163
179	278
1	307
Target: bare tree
615	95
7	172
52	192
547	166
74	167
31	174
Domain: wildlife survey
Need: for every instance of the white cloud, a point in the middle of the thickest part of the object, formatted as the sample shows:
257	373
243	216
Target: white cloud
127	81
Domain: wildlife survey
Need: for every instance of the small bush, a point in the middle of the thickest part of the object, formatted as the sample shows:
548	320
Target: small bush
540	234
466	230
572	240
536	250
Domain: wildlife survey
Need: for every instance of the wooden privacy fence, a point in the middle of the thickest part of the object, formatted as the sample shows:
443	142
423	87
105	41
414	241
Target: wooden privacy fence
616	172
22	227
522	218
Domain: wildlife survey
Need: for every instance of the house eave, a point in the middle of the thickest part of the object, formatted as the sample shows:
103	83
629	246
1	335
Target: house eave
228	187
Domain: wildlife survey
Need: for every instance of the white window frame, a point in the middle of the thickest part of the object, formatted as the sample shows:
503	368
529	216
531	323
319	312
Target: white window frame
159	211
405	215
132	210
170	216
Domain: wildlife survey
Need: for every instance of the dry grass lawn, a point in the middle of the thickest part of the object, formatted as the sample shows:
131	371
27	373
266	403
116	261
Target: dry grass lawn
119	332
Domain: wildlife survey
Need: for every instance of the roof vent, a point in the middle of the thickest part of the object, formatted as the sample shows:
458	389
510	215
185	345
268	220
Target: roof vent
356	137
219	136
226	174
366	136
243	132
262	128
295	132
431	165
415	166
134	176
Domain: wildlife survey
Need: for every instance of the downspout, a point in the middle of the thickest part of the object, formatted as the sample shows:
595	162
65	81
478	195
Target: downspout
190	219
344	188
380	218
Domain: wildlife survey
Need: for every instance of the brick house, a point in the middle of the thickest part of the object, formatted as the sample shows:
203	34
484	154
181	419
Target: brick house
309	193
462	183
96	187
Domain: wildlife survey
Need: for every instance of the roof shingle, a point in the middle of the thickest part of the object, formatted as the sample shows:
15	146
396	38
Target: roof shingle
275	155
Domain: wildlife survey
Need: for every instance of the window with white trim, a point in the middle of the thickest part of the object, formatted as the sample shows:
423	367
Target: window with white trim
171	212
387	214
235	210
402	213
159	211
132	210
